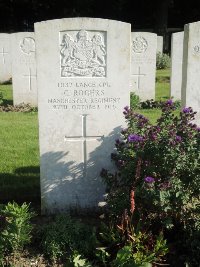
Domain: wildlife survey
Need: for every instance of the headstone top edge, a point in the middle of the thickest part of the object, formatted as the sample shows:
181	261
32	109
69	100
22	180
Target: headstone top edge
178	32
146	33
191	24
22	33
2	34
80	19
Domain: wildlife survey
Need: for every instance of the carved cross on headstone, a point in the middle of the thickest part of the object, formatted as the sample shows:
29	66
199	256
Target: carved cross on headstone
30	75
138	75
3	54
84	138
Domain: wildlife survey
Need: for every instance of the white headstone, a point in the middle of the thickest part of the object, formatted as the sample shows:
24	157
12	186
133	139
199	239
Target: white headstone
176	65
24	68
190	94
160	44
83	70
143	64
5	58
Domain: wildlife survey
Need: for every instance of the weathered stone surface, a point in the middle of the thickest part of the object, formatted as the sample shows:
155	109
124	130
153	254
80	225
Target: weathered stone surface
5	58
190	94
83	72
143	64
24	68
176	65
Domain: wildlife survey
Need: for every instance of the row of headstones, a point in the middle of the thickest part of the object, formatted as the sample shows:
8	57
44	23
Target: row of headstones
83	72
185	67
18	61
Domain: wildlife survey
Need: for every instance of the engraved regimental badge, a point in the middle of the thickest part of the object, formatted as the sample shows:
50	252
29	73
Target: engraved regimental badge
27	45
139	45
83	54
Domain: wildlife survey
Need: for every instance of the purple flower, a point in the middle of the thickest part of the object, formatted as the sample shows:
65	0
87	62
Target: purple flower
158	129
140	116
126	108
134	138
153	136
198	129
149	179
172	143
187	110
178	138
169	102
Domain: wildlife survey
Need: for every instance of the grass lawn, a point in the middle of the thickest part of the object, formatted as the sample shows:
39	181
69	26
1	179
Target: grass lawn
19	161
163	74
162	84
6	91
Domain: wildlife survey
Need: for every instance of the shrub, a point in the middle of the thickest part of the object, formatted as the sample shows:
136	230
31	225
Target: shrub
18	108
15	227
65	235
163	61
134	101
1	98
143	250
76	260
160	164
161	161
151	104
126	245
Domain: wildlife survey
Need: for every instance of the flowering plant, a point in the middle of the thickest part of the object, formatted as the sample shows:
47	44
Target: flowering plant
162	163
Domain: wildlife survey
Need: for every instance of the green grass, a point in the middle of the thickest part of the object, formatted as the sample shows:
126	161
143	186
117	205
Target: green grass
163	73
6	90
162	91
19	161
162	84
151	114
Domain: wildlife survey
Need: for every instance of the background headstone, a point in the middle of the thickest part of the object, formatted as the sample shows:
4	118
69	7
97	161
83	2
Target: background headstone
176	65
83	71
5	57
190	94
160	44
24	68
143	64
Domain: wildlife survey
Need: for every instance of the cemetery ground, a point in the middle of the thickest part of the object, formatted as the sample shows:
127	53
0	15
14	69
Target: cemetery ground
20	182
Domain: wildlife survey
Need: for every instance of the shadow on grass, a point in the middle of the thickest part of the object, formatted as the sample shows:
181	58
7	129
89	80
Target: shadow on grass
69	180
9	81
162	79
21	186
7	102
